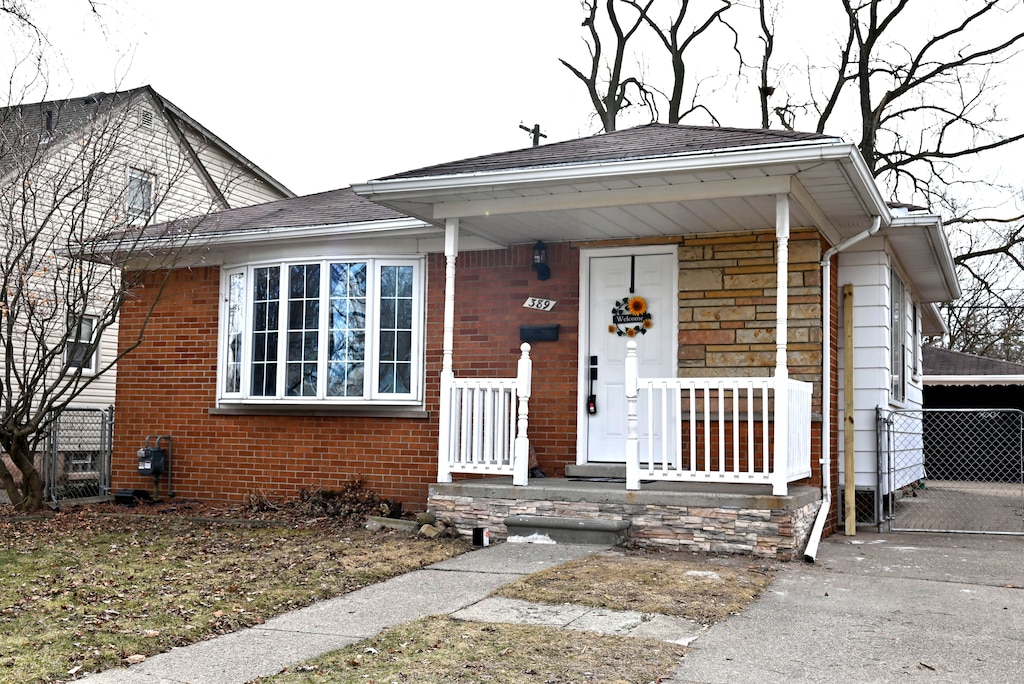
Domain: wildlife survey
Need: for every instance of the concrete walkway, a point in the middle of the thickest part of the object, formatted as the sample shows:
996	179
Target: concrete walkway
874	608
878	608
458	586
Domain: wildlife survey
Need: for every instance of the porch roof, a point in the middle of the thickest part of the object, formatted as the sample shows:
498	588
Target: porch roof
664	180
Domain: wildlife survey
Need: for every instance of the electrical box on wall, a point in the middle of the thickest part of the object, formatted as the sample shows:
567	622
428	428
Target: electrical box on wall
538	333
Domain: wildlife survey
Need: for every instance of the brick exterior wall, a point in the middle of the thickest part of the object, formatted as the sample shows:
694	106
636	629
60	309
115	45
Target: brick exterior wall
168	385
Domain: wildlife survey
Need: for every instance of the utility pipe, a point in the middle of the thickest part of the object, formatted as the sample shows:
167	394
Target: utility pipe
826	386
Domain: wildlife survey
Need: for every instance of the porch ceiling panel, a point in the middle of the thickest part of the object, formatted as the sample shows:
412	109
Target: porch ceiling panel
636	209
624	198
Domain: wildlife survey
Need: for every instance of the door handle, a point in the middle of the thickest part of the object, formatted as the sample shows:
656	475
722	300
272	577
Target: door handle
592	398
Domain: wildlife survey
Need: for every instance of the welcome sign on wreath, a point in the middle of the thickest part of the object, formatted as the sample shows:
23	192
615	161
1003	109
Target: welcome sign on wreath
630	317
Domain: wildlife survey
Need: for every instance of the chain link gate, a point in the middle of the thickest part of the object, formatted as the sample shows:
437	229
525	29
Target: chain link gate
951	470
77	454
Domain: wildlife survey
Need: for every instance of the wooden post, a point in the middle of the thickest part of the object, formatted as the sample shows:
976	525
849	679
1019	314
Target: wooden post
451	253
632	437
521	447
849	462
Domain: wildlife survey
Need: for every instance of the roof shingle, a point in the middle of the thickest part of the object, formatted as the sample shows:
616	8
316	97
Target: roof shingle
643	142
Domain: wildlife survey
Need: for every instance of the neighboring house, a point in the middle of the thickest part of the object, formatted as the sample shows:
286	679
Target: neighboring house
679	286
135	159
71	170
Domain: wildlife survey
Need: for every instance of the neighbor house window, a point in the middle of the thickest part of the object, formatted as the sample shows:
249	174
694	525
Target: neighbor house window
333	330
139	195
80	352
915	342
898	340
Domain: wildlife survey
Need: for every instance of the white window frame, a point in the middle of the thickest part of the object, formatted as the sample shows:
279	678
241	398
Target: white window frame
71	346
897	339
228	395
915	341
138	215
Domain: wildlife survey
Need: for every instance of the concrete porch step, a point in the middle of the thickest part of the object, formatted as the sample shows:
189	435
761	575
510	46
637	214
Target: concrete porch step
569	530
597	470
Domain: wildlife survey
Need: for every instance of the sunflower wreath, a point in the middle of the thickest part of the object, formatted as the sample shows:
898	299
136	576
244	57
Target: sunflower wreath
630	317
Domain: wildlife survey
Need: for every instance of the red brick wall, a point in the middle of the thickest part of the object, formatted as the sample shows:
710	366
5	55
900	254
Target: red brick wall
168	385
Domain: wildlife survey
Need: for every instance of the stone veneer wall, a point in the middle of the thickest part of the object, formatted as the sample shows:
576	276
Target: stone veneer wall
727	286
779	534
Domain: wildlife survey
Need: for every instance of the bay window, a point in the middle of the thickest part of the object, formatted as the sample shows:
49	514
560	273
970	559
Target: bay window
335	330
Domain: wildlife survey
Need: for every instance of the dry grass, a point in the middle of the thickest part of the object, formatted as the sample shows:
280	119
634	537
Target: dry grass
705	589
443	651
82	592
439	650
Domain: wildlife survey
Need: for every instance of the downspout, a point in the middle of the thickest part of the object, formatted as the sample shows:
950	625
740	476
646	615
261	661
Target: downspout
826	387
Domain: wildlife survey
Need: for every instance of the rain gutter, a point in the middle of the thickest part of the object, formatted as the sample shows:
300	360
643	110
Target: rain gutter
811	552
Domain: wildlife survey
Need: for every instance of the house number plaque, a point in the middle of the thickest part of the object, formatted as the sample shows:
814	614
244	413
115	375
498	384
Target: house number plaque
539	304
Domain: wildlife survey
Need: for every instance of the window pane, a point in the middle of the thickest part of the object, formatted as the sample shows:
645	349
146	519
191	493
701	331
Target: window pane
394	356
303	325
266	290
233	352
347	330
139	195
78	350
897	339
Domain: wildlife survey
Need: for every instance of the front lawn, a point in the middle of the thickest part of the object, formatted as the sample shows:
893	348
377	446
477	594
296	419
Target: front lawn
83	591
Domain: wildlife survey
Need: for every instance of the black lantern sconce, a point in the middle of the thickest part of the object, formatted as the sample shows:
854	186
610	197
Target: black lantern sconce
540	261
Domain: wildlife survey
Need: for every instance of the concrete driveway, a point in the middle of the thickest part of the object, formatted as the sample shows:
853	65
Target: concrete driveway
879	608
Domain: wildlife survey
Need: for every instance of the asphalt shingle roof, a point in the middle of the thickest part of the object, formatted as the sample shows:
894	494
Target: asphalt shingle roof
937	361
334	207
643	142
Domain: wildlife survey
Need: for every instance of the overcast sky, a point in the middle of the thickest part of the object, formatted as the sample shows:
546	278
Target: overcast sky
326	93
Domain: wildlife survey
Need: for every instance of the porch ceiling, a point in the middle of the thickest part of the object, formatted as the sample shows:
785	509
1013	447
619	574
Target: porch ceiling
724	192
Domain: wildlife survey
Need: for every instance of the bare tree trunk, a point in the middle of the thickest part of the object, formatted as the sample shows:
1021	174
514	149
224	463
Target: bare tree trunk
609	95
27	495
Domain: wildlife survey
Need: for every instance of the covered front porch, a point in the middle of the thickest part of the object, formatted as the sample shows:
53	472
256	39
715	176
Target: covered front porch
706	428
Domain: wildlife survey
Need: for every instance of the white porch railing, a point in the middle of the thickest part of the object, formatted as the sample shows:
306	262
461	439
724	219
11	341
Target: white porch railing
484	425
718	430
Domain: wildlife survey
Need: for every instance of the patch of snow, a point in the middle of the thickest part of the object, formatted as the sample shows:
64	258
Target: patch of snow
709	574
531	539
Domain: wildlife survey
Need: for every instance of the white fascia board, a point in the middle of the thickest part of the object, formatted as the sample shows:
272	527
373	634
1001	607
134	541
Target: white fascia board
932	322
279	233
988	380
937	243
839	151
361	229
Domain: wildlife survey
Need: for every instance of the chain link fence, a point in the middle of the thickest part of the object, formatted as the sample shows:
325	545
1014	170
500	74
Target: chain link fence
76	456
949	470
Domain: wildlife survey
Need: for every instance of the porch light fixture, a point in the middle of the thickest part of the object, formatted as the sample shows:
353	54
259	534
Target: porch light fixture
540	261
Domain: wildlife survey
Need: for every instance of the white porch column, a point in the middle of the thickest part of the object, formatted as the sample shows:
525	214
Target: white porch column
781	441
451	252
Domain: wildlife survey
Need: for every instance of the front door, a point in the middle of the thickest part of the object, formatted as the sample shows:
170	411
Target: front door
631	296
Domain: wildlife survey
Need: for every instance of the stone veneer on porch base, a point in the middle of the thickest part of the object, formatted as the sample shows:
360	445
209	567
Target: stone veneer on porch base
737	519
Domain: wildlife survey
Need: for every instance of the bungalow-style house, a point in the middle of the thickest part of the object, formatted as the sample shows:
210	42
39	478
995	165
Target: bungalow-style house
70	170
654	315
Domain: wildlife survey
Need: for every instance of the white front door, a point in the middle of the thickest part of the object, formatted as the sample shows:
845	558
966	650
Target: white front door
654	279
